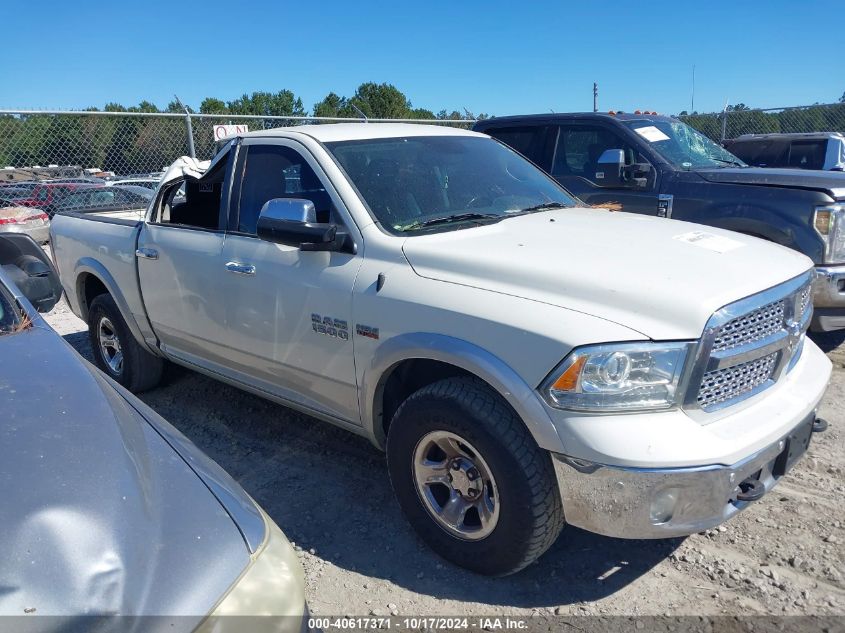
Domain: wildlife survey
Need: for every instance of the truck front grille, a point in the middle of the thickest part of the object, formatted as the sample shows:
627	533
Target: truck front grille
748	345
806	297
723	385
750	327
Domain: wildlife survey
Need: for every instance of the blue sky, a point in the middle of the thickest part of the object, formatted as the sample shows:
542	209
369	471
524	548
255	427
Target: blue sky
495	57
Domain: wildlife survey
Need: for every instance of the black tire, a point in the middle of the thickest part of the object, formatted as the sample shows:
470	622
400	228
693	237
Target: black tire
530	511
139	370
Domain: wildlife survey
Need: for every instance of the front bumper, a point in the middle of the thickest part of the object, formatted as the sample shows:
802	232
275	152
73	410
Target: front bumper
829	298
644	503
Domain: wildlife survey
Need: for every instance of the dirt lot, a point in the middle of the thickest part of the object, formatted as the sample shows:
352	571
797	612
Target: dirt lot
329	492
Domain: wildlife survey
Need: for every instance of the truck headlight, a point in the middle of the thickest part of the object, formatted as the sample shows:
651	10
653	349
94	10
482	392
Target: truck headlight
618	377
829	221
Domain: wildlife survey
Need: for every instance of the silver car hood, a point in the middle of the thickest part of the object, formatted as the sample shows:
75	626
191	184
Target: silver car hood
100	515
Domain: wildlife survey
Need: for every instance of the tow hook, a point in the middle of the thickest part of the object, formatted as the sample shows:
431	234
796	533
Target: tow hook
819	425
751	490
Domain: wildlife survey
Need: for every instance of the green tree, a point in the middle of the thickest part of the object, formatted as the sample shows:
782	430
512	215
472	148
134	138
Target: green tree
333	105
421	113
282	103
144	106
454	115
23	139
176	107
211	105
381	101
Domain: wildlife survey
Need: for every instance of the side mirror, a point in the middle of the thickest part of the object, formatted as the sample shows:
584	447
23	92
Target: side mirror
293	222
609	168
29	268
612	172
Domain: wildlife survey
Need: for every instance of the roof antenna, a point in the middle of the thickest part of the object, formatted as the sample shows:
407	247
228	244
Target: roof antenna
358	110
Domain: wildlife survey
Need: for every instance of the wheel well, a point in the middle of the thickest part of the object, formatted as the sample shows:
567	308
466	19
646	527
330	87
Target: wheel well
407	377
90	287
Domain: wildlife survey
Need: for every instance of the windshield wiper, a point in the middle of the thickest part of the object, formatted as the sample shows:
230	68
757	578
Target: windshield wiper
727	162
542	207
448	219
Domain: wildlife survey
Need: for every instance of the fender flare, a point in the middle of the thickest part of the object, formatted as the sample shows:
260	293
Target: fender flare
467	356
756	227
90	266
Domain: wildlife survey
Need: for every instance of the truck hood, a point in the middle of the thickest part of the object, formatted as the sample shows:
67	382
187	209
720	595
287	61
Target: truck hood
661	278
831	183
100	514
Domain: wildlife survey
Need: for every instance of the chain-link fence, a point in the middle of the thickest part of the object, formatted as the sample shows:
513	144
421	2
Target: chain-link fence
35	145
736	121
57	161
50	144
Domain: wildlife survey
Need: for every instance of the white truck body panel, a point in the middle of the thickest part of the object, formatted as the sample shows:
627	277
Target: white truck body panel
506	302
625	267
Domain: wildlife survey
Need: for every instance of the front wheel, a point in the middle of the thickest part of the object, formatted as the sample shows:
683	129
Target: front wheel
115	350
470	478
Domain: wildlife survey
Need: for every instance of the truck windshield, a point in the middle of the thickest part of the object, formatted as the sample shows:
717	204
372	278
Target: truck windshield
682	146
419	183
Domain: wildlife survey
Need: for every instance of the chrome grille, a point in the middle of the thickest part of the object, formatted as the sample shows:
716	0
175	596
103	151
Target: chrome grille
751	327
748	345
804	300
726	384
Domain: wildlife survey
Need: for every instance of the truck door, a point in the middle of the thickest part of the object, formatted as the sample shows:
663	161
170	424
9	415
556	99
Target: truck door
179	254
577	148
287	311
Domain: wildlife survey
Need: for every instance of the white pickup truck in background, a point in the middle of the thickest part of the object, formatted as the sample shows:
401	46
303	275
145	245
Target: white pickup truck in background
524	361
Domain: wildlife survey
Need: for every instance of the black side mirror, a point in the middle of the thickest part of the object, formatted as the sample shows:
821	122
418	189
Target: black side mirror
29	268
636	174
609	168
612	172
293	222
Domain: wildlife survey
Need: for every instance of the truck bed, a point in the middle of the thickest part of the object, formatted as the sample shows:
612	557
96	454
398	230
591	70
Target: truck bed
100	244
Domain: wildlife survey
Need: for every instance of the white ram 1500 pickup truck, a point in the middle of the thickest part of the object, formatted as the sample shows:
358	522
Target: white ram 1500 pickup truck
524	361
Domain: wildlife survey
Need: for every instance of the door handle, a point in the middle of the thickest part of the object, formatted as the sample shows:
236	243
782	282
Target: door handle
146	253
240	269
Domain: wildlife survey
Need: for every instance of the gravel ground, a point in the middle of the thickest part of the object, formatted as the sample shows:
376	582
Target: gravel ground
329	491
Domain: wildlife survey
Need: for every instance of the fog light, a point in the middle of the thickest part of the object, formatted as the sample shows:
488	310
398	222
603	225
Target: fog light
663	506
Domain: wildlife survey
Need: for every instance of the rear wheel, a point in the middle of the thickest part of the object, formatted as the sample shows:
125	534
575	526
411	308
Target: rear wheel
115	350
470	478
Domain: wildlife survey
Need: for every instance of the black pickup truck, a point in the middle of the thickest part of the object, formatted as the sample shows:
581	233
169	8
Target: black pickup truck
658	165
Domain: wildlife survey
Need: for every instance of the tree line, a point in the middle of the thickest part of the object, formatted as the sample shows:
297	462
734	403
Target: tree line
742	119
128	145
372	100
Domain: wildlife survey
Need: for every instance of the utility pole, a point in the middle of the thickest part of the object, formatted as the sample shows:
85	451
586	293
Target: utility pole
595	97
692	99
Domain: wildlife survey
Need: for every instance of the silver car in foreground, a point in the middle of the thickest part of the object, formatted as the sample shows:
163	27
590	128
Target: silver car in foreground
107	511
